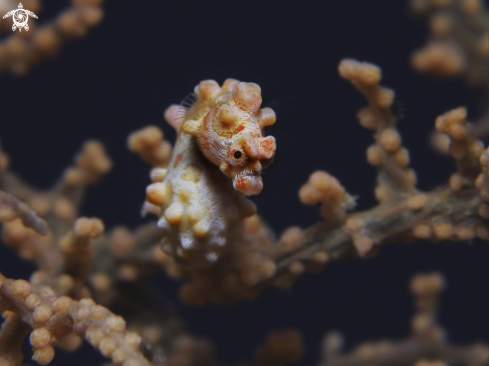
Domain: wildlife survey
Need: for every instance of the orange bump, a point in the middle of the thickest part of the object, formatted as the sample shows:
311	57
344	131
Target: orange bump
209	90
422	231
443	230
417	201
390	140
367	118
40	337
266	117
158	194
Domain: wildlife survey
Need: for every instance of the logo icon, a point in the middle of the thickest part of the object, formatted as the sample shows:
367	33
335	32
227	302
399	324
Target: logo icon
20	17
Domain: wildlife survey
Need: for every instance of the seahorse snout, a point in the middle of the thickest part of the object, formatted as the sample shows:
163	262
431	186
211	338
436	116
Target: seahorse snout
248	184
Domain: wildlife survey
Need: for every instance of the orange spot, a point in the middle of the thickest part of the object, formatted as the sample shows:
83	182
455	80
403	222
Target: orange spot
241	127
207	126
204	142
241	184
177	160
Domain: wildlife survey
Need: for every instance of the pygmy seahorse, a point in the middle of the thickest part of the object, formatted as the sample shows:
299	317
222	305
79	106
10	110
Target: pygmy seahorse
221	131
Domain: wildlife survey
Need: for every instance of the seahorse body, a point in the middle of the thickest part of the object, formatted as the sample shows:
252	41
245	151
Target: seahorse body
203	210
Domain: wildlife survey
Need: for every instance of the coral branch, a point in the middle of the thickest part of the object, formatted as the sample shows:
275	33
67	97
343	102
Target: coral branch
11	209
53	318
60	205
63	255
389	223
335	201
463	148
12	335
394	177
482	183
401	214
125	256
77	260
459	45
149	144
281	348
407	352
20	51
427	342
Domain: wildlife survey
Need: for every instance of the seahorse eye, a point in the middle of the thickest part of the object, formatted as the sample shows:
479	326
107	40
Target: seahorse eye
237	154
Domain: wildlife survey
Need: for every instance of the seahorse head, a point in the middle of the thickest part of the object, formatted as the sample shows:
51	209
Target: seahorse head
229	127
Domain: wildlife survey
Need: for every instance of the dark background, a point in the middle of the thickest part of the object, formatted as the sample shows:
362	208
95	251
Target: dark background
149	54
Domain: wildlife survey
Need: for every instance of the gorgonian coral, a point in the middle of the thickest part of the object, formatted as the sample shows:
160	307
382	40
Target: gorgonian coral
209	234
22	50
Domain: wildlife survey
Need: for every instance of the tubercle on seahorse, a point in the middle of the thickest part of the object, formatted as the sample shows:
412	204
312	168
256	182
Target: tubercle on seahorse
222	131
